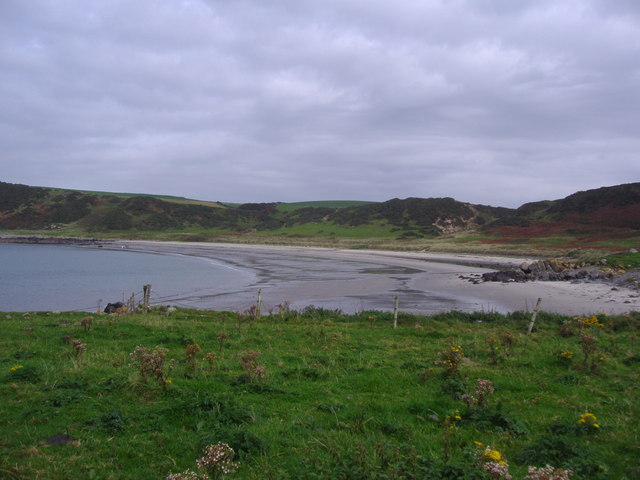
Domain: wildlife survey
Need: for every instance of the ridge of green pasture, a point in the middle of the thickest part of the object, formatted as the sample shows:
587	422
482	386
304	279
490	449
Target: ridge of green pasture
292	206
342	394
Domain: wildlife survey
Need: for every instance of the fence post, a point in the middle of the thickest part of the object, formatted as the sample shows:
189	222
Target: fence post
395	313
146	289
259	304
131	305
533	317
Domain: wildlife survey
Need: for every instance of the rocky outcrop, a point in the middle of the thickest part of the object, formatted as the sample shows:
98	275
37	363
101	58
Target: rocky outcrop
37	239
550	270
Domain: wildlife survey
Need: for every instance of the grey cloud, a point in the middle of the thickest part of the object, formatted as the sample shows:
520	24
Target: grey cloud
486	101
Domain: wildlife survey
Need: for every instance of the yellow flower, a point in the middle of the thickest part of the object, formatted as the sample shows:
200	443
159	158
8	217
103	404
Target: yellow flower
478	444
587	418
16	367
168	381
493	455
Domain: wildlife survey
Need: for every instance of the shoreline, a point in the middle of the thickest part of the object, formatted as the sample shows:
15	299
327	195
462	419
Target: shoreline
357	280
444	277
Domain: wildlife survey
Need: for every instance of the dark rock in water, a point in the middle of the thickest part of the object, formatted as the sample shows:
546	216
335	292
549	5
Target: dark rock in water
60	439
505	276
113	307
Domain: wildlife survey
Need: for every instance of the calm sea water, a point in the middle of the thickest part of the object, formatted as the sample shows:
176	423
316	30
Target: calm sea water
66	278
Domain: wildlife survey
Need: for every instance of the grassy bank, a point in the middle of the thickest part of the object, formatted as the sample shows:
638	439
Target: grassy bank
323	395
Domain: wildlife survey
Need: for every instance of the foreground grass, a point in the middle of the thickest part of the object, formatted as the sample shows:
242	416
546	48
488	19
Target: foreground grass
342	396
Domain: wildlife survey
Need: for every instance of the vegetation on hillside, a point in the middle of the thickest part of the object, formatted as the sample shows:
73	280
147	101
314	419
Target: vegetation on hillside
604	220
55	209
318	394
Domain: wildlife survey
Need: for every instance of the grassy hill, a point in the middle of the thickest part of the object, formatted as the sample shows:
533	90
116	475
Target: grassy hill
602	220
605	218
317	395
37	208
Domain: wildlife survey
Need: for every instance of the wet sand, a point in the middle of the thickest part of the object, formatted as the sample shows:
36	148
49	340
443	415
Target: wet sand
360	280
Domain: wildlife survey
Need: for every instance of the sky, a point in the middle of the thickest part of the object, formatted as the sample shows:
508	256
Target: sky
495	102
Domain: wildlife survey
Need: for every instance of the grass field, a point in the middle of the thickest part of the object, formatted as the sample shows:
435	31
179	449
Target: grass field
323	395
168	198
291	206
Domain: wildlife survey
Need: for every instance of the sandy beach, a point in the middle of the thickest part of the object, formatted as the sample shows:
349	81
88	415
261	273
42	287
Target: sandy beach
358	280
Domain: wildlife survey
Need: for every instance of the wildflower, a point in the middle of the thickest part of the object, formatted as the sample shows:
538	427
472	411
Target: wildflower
221	337
16	367
586	418
497	470
547	473
217	460
493	462
192	350
168	381
210	358
451	359
484	388
588	421
186	475
150	362
249	362
592	321
492	455
216	463
79	347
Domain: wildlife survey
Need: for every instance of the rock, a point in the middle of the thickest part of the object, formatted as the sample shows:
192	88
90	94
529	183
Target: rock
113	307
60	439
633	250
525	267
555	266
504	276
536	267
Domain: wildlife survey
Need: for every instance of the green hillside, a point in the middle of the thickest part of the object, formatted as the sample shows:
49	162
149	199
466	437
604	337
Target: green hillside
603	220
68	211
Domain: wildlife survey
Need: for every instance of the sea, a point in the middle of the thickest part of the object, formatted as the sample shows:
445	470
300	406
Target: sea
79	278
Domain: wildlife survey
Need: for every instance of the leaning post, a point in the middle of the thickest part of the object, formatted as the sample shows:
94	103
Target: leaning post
533	317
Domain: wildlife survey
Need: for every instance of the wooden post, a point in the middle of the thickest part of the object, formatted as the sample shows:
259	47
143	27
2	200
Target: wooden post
259	304
395	314
533	317
131	304
146	289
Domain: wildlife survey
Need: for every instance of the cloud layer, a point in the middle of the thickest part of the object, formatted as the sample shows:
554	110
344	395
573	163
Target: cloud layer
488	101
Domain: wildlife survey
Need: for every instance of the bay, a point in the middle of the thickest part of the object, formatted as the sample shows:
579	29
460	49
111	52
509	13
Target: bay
70	278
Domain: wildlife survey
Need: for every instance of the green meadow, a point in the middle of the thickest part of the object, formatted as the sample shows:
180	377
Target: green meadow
318	395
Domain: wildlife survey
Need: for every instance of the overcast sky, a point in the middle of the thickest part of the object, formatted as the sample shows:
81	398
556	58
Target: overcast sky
496	102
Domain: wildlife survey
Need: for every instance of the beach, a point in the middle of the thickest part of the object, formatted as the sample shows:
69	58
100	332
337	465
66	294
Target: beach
362	280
